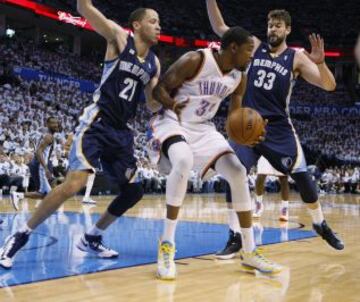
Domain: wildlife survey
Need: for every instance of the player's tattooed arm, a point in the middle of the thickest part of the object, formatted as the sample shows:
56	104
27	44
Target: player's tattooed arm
111	31
151	103
217	21
182	70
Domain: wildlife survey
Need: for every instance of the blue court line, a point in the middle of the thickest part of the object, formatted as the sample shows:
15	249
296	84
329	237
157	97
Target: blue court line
51	252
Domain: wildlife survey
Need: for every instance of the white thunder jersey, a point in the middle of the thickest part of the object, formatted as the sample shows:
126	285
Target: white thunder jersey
206	90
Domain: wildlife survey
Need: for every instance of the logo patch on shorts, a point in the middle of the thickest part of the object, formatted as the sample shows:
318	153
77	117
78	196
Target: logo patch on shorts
287	162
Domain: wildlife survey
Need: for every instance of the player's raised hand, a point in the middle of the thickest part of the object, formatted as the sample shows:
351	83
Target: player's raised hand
317	54
178	108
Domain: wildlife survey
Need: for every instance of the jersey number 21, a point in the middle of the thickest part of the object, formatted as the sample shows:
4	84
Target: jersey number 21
128	92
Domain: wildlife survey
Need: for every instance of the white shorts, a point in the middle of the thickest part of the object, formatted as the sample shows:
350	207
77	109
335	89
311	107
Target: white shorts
265	168
206	143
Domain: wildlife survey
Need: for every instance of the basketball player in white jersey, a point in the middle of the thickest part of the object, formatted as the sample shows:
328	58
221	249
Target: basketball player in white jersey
182	135
39	167
264	169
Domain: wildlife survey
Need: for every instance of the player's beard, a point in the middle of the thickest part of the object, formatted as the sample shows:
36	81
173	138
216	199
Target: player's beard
275	41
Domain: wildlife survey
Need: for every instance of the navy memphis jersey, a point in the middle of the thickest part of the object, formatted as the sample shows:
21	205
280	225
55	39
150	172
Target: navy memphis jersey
270	83
122	85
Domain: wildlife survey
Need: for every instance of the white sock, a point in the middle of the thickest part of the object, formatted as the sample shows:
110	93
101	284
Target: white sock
259	198
95	231
25	229
284	204
169	230
248	240
316	215
233	221
87	215
89	186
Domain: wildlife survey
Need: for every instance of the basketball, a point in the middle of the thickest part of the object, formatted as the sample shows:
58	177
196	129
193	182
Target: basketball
244	126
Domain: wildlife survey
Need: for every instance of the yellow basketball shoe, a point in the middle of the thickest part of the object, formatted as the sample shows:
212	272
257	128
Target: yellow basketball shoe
256	261
166	268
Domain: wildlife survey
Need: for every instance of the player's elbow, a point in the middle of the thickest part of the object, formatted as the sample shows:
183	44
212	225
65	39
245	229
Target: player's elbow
153	105
220	30
330	86
157	92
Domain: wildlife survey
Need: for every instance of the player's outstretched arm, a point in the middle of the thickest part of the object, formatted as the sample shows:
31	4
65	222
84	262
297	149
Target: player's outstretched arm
151	103
182	70
312	66
217	21
103	26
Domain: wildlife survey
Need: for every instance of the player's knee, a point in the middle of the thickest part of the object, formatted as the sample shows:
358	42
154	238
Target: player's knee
183	164
129	196
306	187
72	186
260	179
237	175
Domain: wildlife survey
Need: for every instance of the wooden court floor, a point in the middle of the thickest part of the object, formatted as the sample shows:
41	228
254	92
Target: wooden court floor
313	271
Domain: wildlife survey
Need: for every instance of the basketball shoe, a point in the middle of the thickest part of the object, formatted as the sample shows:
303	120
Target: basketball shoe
93	244
233	245
256	261
166	268
12	245
328	235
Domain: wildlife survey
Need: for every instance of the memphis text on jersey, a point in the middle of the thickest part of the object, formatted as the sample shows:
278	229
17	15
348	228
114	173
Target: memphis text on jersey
272	65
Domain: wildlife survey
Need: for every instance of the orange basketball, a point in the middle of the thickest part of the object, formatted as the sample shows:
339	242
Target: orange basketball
244	126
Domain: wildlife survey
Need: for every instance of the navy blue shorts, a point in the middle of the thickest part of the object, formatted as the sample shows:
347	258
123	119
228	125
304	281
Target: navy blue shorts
38	178
281	148
98	145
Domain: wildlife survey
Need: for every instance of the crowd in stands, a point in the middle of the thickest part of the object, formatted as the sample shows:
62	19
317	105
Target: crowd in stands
25	105
25	53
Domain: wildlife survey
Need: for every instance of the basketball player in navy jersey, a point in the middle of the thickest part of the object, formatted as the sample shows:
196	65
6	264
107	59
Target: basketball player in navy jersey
40	165
271	77
131	69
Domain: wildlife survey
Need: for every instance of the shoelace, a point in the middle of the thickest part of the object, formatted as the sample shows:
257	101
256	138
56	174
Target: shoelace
328	231
166	249
259	253
99	244
230	241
